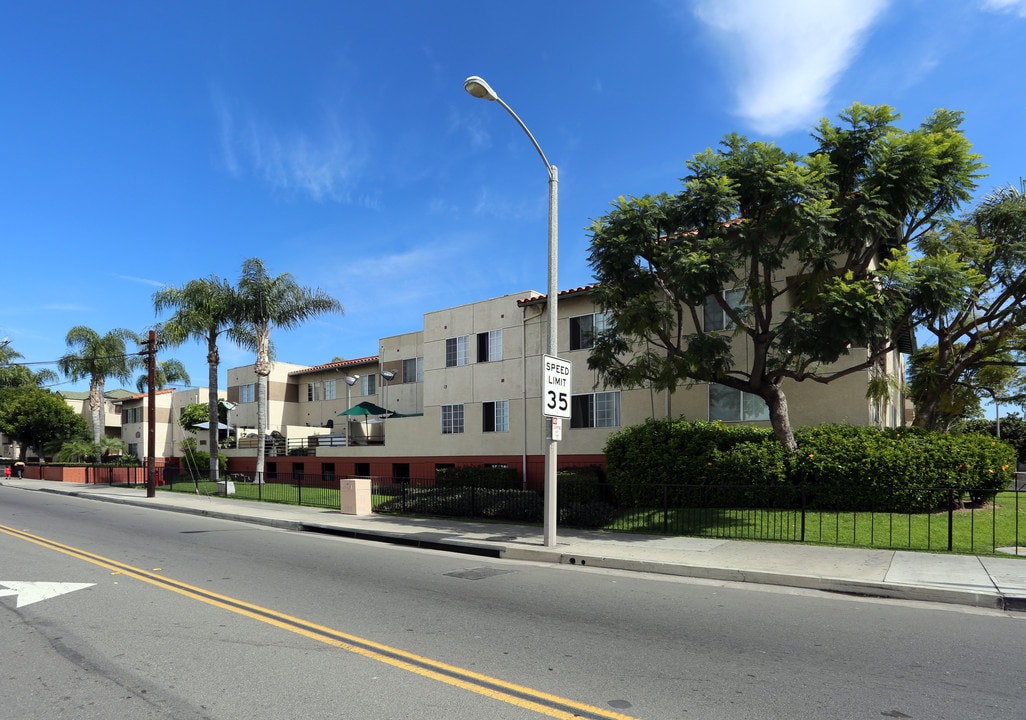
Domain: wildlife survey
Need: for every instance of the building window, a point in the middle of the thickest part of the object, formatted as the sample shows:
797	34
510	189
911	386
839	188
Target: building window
131	415
452	419
495	416
585	328
456	351
328	472
247	393
489	346
313	392
595	410
133	449
367	386
732	405
329	389
714	318
413	370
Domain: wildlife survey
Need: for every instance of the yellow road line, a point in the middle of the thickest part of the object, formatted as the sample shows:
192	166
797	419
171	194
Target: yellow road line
540	702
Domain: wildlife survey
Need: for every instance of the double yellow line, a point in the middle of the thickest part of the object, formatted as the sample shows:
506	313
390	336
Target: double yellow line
520	696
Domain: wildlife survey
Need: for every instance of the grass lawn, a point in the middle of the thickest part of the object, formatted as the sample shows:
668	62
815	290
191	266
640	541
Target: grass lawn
286	494
973	530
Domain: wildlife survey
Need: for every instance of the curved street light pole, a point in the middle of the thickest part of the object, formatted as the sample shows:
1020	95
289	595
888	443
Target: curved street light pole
480	89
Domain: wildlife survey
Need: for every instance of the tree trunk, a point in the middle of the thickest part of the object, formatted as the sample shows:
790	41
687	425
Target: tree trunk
779	417
212	415
261	400
263	369
96	410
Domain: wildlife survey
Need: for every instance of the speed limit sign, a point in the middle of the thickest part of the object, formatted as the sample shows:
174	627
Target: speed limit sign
555	387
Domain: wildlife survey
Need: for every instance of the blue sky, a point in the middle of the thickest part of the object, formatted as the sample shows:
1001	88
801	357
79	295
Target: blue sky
146	144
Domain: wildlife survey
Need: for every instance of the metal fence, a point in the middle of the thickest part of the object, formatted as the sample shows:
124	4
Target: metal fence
923	518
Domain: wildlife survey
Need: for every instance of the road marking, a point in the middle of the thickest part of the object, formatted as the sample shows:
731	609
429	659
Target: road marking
32	592
535	700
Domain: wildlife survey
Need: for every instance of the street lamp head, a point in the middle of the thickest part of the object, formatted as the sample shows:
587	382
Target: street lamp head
351	379
479	88
389	375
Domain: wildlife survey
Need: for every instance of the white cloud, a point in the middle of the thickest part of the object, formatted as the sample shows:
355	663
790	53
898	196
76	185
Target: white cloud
1015	7
139	280
322	163
787	54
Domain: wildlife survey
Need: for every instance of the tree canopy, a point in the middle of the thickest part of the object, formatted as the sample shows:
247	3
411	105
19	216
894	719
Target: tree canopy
14	374
967	285
96	358
269	301
764	268
39	418
204	310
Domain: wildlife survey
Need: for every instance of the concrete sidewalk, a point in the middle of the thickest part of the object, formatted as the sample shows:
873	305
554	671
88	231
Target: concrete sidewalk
958	579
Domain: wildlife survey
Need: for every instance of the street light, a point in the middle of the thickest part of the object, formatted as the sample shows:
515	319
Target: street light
388	376
350	380
480	89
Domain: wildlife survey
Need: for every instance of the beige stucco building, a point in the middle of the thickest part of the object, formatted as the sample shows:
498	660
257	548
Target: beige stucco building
466	389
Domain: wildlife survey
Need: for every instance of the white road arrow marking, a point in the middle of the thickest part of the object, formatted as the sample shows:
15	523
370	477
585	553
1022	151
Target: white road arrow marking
32	592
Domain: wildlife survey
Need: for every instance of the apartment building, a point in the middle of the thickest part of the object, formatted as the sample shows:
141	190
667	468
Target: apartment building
168	434
79	402
466	389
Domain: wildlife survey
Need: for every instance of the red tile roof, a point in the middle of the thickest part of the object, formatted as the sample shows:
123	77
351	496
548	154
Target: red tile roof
337	365
539	299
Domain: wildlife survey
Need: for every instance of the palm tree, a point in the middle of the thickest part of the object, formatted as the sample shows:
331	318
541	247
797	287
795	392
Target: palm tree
14	375
99	357
269	302
167	373
204	310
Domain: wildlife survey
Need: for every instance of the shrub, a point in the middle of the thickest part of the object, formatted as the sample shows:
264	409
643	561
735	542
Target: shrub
479	476
467	501
199	464
703	464
587	515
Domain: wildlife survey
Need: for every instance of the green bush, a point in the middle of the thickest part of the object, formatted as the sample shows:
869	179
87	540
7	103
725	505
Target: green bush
466	501
479	476
580	485
837	466
201	460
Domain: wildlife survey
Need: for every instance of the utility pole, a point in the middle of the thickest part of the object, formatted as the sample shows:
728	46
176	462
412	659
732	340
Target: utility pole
151	415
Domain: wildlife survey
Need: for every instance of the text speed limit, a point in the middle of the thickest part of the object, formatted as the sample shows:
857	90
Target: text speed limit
556	386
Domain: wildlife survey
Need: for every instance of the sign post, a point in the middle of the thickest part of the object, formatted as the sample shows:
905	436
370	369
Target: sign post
556	386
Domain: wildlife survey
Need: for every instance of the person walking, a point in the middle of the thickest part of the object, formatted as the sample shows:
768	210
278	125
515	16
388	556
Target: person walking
19	469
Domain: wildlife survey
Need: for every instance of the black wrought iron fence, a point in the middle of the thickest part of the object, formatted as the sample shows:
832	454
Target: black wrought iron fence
924	518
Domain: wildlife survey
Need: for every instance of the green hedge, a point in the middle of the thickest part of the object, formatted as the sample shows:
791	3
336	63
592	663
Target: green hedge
479	475
838	466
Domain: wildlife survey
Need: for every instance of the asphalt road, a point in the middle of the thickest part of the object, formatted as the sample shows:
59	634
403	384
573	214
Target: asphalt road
187	617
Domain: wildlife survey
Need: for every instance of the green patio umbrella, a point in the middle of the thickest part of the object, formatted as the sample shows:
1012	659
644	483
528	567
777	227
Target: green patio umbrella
362	410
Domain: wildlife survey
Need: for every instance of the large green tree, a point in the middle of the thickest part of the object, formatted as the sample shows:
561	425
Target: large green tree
96	358
39	418
204	310
784	247
967	282
268	302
